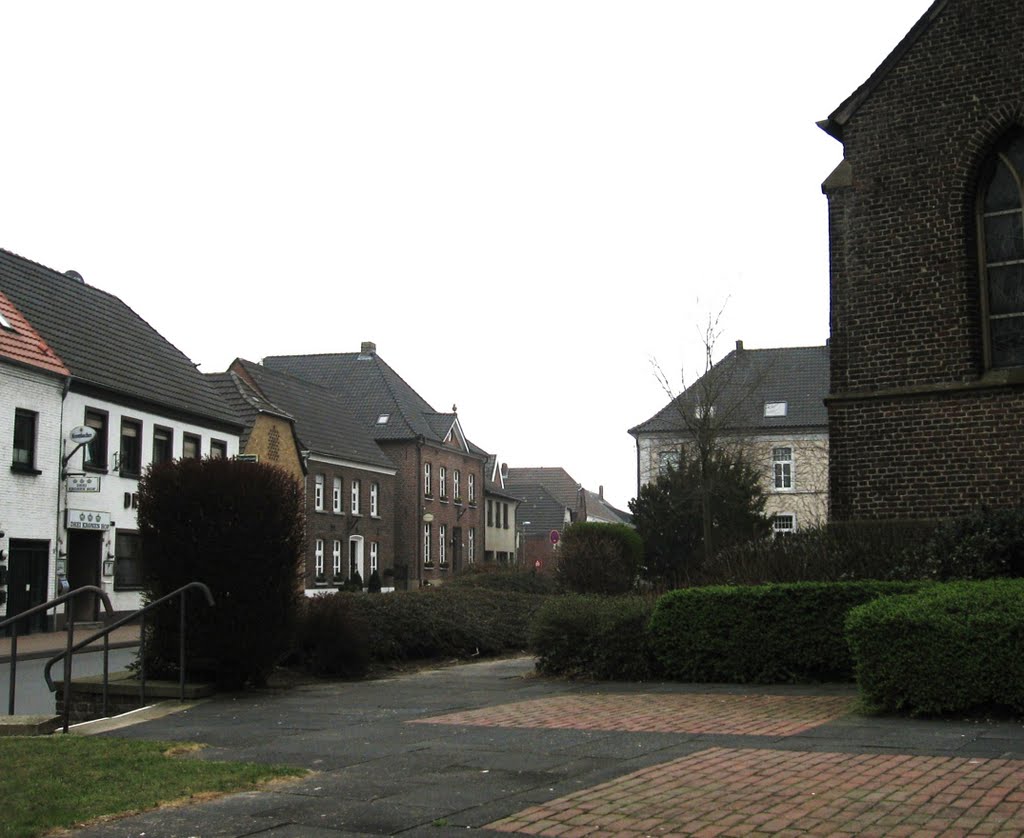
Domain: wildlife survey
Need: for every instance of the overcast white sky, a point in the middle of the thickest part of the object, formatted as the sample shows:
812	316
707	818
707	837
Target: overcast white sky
522	203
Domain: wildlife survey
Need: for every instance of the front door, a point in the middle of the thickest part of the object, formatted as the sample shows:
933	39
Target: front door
85	553
26	581
456	549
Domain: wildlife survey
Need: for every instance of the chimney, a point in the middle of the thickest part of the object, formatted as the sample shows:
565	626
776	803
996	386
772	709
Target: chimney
368	347
739	346
600	492
504	471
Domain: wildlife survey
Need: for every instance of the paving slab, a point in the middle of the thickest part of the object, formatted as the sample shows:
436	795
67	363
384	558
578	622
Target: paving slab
493	749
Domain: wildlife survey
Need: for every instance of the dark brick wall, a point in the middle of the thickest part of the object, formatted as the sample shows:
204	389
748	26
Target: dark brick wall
905	321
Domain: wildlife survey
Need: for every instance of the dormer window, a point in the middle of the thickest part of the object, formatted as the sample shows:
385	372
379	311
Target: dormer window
5	323
772	409
383	418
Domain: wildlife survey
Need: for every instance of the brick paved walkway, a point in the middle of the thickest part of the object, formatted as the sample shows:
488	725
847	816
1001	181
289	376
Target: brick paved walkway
738	791
752	715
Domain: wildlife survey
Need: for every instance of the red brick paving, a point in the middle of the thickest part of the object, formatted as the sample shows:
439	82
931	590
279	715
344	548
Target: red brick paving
738	791
756	715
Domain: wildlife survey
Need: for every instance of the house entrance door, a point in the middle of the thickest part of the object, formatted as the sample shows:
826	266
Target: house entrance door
85	553
26	581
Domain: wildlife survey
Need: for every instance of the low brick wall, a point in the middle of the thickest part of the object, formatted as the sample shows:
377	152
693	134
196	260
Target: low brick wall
124	693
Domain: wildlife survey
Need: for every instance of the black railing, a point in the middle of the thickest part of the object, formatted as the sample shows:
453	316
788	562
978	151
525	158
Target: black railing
105	632
70	628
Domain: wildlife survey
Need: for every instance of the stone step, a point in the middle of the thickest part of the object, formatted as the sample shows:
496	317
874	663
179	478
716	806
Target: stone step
28	725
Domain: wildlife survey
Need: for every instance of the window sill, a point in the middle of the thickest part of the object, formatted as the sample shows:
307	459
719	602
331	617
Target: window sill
96	469
129	475
375	517
428	565
28	471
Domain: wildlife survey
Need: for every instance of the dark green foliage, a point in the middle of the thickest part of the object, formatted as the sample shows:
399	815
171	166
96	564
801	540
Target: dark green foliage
599	558
353	584
669	515
839	551
593	637
332	637
497	577
237	527
950	648
373	584
983	545
762	634
444	622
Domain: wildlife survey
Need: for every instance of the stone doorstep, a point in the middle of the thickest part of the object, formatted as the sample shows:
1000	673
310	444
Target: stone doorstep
28	725
125	684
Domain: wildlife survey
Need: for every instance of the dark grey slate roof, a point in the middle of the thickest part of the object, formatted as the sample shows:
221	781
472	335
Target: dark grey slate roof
107	345
372	389
324	421
243	401
558	482
748	378
540	508
600	508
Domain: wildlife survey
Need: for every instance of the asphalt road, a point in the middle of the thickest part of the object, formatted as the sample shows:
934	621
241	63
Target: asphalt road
31	694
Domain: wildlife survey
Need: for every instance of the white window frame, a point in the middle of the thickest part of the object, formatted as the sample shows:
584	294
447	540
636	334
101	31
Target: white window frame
471	478
336	496
442	482
318	493
336	570
374	556
775	409
355	496
375	500
777	530
783	469
318	558
471	545
428	534
426	481
442	537
457	485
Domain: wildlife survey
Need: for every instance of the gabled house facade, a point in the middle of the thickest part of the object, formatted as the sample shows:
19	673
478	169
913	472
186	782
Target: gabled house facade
439	477
500	539
142	400
32	379
768	404
349	482
927	272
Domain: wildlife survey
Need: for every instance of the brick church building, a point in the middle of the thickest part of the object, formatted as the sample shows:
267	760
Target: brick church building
926	224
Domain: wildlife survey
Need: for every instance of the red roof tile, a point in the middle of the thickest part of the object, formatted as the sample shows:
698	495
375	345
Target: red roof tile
23	344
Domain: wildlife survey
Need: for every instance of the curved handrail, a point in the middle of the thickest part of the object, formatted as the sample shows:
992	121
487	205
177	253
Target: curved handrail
36	609
103	632
46	606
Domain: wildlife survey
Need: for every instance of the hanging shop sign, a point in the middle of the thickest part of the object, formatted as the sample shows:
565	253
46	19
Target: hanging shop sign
83	482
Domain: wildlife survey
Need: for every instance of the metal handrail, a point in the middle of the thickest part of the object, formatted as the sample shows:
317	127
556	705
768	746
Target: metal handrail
105	633
69	628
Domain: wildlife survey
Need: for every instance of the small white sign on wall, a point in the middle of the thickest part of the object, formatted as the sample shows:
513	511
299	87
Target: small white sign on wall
87	519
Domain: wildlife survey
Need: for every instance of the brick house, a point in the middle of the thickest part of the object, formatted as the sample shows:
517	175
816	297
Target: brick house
349	482
926	410
145	402
770	404
439	478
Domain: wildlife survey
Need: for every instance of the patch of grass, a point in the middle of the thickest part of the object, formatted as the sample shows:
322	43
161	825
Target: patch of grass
60	781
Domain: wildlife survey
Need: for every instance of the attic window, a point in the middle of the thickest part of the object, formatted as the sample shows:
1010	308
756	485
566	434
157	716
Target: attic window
383	418
775	408
5	323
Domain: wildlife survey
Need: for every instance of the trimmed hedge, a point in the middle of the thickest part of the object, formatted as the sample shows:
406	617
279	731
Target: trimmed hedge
342	633
495	577
598	558
593	637
950	648
762	634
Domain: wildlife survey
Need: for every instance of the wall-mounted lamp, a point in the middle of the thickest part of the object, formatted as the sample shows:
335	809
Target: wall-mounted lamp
108	566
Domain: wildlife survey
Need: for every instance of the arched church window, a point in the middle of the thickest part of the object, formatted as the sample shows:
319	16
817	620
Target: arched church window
1001	237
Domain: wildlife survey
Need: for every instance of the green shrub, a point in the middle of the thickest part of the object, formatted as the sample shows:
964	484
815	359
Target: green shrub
444	622
950	648
332	636
593	637
238	527
986	544
495	577
838	551
373	584
761	634
599	558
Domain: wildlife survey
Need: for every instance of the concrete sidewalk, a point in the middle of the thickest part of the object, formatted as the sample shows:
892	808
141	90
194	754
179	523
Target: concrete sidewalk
45	644
493	748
